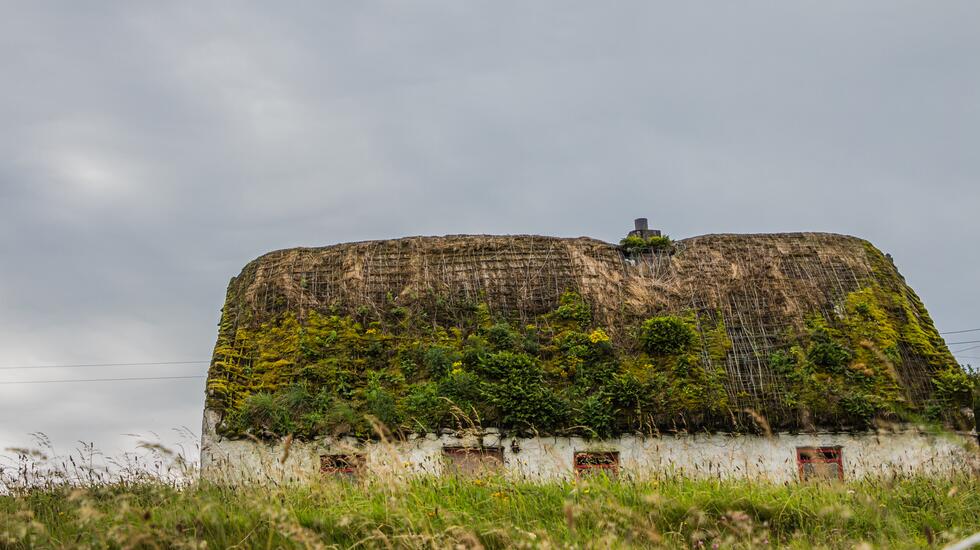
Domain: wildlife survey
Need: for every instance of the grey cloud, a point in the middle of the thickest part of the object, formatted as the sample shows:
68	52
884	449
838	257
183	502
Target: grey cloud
150	151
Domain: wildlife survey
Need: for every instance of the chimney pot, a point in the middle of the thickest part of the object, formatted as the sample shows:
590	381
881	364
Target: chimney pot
640	224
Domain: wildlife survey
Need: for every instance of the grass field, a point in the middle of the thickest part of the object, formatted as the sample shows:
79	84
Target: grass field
494	513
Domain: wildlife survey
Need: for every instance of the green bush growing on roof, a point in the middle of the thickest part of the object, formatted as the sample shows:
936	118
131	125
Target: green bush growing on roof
667	335
573	310
634	244
520	396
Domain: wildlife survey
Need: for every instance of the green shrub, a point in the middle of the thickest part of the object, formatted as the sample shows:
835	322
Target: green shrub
954	387
573	309
438	361
664	336
424	407
521	398
465	390
503	337
634	244
501	364
595	413
380	402
829	355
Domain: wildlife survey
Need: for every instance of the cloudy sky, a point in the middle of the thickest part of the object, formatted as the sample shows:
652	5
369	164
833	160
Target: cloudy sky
149	150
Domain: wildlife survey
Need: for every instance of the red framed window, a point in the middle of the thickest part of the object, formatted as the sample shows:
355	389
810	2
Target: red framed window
473	461
825	463
593	463
348	465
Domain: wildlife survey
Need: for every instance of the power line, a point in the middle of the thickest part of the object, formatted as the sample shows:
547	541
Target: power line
961	331
78	366
963	342
965	349
101	380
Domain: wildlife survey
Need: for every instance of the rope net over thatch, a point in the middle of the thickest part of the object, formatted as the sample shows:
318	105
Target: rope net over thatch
764	290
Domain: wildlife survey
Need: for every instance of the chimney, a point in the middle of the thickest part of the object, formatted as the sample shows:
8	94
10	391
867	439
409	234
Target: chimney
641	228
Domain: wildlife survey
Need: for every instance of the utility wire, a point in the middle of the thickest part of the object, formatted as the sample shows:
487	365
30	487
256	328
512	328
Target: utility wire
965	349
78	366
963	342
101	380
961	331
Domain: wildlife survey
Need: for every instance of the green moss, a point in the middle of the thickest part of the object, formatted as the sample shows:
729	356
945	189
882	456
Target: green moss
634	244
560	373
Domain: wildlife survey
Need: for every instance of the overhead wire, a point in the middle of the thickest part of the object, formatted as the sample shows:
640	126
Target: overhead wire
961	331
70	380
87	365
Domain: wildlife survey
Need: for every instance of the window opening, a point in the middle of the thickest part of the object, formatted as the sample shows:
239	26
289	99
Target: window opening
346	465
820	463
592	463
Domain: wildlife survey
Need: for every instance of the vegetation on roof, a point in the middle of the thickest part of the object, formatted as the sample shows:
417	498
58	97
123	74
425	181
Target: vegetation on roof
328	373
634	244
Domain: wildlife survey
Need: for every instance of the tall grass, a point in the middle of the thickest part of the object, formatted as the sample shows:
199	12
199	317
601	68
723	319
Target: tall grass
159	503
493	513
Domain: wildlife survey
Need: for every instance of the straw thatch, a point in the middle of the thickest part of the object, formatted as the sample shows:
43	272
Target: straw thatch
764	287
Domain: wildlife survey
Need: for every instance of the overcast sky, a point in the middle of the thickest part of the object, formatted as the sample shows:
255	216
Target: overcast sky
149	150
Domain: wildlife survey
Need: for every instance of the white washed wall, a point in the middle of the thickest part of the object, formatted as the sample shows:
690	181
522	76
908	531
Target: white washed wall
542	458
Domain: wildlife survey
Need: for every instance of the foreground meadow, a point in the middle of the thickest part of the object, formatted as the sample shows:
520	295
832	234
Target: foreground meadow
493	513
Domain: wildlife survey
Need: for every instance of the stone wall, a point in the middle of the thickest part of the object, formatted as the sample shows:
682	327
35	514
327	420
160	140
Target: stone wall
906	451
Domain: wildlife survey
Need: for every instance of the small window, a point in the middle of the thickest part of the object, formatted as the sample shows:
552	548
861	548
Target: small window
473	461
348	465
604	463
820	463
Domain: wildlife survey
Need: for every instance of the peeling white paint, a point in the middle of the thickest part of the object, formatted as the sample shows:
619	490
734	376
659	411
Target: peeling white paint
909	451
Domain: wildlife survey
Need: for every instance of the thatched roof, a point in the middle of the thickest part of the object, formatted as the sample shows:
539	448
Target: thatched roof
764	287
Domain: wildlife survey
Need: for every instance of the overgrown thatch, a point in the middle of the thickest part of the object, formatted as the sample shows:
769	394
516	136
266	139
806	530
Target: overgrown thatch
777	297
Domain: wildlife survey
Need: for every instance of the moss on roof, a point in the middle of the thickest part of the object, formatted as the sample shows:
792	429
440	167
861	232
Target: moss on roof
550	335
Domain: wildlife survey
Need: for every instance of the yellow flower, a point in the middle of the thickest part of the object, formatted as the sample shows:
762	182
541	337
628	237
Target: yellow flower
454	372
478	482
371	331
457	364
598	335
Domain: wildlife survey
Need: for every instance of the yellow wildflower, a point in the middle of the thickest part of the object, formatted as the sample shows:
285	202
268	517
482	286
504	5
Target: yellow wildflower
598	335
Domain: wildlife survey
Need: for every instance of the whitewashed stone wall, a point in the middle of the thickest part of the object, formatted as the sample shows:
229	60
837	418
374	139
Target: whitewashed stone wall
542	458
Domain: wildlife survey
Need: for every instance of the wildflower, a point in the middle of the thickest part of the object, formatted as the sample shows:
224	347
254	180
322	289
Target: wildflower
457	368
371	331
598	335
479	482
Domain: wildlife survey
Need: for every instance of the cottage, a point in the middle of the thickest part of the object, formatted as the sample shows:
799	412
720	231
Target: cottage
778	356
